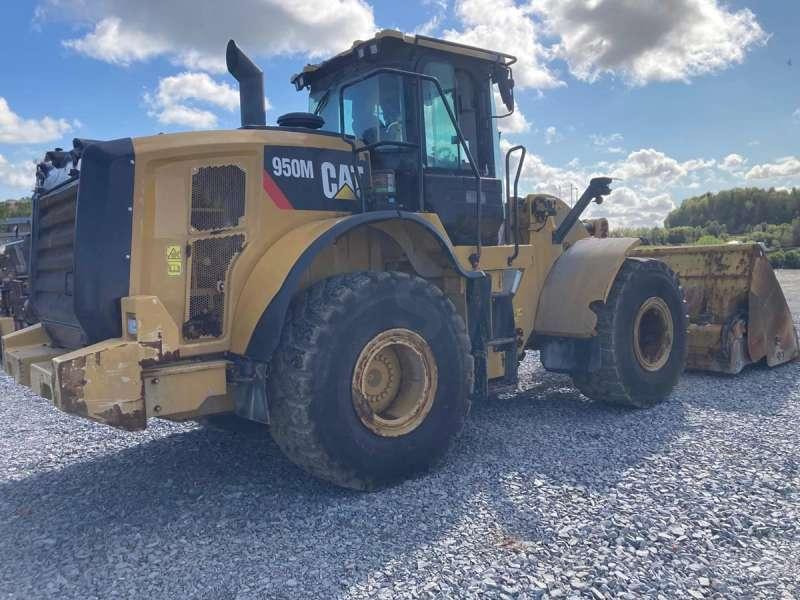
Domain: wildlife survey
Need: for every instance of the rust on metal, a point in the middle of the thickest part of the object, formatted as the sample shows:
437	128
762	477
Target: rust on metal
103	383
738	314
394	382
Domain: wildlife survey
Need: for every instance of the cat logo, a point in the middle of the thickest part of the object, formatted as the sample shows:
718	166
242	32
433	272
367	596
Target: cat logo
341	183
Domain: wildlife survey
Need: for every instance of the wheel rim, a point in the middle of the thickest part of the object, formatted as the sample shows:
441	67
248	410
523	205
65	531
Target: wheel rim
394	382
653	332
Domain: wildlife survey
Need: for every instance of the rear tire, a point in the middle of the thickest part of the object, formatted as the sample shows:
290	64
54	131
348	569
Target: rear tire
642	332
353	331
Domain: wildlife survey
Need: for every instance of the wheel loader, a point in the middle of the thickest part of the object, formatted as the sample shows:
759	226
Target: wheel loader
358	274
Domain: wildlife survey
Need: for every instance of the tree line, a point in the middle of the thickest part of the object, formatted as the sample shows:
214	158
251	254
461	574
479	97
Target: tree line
771	217
20	207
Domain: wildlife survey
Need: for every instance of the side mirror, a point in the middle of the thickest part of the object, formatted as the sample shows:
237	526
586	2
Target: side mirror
505	84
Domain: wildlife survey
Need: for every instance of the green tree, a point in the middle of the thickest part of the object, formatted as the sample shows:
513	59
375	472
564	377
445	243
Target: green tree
792	260
709	240
777	259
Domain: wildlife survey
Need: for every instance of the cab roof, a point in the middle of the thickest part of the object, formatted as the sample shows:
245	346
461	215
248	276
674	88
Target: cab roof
362	48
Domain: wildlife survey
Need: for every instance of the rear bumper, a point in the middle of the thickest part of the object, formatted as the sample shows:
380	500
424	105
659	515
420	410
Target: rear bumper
116	382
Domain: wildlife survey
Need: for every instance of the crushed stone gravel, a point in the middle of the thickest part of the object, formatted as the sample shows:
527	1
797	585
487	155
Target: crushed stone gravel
544	496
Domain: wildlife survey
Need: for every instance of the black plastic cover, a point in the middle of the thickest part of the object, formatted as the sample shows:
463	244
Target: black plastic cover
81	246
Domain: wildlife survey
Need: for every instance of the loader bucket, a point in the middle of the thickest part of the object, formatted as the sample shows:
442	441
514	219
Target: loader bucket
738	314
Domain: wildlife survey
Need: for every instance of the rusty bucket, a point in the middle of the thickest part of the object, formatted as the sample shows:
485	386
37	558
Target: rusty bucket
738	314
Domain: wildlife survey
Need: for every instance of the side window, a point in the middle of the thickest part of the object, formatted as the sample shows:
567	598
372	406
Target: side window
374	110
442	149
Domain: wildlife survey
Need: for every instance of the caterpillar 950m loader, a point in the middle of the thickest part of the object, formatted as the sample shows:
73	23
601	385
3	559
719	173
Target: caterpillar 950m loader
357	274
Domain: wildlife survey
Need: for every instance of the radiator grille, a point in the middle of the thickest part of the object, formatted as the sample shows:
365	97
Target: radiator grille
52	258
217	197
211	262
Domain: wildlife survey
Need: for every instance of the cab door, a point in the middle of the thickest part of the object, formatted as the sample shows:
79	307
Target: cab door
450	188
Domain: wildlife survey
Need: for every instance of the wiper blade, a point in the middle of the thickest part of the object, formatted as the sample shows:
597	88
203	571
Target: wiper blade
323	102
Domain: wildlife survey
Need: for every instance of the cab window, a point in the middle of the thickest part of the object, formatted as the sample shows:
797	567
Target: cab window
374	110
442	150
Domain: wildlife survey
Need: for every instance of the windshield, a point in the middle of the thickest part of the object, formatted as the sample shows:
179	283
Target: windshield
374	109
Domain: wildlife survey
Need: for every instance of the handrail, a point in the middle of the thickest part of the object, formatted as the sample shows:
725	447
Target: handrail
515	197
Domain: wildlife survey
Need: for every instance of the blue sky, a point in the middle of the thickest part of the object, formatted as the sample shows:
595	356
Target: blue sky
674	97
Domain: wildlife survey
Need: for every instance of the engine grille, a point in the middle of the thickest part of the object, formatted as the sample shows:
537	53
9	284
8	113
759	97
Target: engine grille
53	256
211	262
218	195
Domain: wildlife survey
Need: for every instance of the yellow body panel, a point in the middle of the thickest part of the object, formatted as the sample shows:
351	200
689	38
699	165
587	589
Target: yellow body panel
582	275
162	194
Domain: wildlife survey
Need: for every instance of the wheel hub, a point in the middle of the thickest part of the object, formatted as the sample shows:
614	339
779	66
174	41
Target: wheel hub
394	382
653	333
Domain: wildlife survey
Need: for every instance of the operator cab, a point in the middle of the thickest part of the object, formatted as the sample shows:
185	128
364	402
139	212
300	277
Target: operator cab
424	109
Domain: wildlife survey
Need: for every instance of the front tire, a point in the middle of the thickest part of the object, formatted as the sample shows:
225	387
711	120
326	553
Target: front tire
371	381
642	332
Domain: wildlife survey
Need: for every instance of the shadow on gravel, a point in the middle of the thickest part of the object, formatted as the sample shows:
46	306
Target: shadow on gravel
234	502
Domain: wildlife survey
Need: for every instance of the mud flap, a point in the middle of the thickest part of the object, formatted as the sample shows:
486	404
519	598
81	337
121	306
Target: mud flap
479	325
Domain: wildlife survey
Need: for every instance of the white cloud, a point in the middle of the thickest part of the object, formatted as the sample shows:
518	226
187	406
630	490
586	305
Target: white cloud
17	175
196	118
173	102
112	43
649	40
784	167
649	164
796	116
629	205
655	169
551	135
732	163
515	123
506	27
606	140
431	26
16	130
626	207
193	33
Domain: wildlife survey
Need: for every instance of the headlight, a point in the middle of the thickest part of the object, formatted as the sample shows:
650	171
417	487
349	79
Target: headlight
133	328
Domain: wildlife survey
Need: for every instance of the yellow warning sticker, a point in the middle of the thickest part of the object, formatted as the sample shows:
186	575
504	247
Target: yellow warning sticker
345	193
174	261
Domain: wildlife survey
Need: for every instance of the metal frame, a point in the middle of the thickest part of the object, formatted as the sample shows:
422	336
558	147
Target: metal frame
515	197
511	57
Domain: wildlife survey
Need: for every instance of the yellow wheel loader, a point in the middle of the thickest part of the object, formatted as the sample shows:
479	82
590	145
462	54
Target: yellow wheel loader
356	275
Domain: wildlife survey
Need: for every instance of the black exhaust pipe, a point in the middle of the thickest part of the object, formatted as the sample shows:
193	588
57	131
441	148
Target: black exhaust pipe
251	86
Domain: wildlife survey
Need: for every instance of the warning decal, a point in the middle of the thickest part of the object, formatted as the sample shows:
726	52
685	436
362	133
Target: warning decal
174	261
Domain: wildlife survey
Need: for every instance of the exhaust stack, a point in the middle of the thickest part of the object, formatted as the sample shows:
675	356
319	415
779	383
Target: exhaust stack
251	86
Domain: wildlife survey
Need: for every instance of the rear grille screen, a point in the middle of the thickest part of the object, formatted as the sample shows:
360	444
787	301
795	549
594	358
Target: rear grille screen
211	262
217	197
52	259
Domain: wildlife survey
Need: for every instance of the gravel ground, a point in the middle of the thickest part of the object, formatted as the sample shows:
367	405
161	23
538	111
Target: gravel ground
545	495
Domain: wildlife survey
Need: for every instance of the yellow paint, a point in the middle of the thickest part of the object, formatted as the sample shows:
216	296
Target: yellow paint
174	260
345	193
